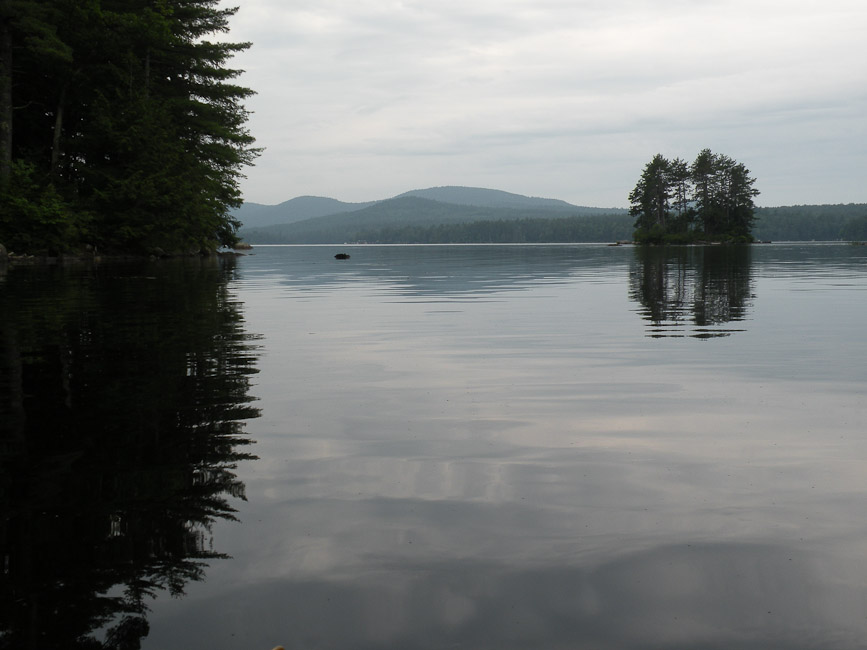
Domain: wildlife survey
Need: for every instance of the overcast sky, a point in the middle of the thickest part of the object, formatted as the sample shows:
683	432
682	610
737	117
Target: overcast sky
569	99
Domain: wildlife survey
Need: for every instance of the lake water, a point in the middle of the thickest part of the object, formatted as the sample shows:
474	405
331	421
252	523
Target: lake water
437	447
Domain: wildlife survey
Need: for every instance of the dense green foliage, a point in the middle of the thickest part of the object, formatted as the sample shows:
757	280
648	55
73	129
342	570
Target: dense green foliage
710	199
120	125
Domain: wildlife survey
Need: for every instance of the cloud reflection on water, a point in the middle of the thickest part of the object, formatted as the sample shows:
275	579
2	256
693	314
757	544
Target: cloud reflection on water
673	596
527	468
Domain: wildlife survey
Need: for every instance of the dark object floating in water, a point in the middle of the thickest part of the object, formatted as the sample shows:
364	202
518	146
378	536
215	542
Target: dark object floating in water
342	256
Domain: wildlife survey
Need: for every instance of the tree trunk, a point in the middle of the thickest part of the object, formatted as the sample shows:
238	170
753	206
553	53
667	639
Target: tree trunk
58	130
147	73
5	105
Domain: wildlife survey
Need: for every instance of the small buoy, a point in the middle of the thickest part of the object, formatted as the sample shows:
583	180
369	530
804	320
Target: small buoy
342	256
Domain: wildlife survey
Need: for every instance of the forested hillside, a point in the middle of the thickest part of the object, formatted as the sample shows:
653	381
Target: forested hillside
481	197
121	126
257	215
599	228
415	220
810	222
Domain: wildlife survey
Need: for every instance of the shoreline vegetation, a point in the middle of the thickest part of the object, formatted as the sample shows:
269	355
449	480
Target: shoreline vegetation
122	128
841	222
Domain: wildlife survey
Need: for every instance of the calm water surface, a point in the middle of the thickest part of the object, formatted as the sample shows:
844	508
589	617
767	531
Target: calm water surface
439	447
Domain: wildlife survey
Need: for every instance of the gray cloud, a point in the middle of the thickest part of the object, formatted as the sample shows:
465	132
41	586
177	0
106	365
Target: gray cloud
363	99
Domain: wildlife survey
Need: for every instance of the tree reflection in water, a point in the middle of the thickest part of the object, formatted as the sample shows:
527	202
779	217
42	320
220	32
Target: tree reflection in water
692	290
123	390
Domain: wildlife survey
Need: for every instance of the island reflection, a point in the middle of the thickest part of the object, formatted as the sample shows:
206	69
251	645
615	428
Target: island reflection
122	394
692	290
519	466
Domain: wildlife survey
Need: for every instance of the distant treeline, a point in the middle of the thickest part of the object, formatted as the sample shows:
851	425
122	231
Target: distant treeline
535	230
794	223
812	223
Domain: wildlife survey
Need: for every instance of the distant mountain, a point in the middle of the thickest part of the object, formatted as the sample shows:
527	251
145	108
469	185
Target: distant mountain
406	213
479	197
442	214
343	226
257	215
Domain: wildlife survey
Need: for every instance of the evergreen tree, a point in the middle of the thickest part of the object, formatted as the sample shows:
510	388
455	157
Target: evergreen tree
737	196
705	193
680	187
710	199
649	201
131	128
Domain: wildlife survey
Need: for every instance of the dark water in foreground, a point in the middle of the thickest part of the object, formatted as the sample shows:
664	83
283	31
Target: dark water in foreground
474	447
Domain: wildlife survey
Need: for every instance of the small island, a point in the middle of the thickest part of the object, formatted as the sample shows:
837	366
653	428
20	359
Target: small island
707	201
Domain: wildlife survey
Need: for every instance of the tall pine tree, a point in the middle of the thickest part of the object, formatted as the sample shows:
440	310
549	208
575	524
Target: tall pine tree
712	199
131	129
